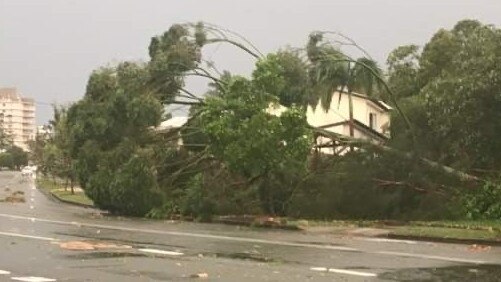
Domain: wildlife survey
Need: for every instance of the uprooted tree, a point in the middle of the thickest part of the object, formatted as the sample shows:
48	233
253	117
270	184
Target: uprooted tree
239	148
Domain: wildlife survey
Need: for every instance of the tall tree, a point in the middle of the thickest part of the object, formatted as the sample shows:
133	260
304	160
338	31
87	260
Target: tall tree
111	139
268	150
453	88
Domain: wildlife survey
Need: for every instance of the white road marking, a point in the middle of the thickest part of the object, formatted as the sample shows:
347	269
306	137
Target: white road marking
31	207
384	240
33	279
351	272
321	269
187	234
242	239
433	257
4	272
161	252
27	236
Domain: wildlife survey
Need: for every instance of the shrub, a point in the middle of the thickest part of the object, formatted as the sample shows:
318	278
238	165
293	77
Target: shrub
484	203
195	202
169	209
364	185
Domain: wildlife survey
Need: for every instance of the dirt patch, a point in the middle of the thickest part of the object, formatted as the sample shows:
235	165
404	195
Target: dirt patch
104	255
90	246
479	248
369	232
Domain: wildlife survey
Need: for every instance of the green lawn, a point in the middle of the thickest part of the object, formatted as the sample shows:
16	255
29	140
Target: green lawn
446	233
78	197
57	189
461	229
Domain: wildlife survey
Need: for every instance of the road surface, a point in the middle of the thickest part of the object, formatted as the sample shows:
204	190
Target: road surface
44	240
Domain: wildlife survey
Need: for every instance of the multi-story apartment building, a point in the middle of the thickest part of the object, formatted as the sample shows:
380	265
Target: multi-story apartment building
17	116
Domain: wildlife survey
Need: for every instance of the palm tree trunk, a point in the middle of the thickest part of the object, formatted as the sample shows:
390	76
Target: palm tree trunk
351	121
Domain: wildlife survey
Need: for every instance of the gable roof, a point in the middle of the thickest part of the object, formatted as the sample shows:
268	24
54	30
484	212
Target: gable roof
382	105
174	122
360	126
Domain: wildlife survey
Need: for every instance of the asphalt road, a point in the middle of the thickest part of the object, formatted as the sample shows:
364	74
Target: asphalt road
43	240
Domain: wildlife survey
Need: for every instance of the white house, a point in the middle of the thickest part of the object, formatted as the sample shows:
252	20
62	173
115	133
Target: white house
371	118
172	124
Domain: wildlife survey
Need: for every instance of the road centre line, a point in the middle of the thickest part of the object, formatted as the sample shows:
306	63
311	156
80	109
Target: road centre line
320	269
385	240
351	272
422	256
33	279
186	234
26	236
160	252
4	272
244	239
343	271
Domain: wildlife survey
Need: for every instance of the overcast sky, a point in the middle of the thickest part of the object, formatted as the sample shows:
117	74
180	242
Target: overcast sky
48	48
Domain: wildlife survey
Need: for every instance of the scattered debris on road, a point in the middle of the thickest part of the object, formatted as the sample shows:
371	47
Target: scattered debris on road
15	197
202	275
479	248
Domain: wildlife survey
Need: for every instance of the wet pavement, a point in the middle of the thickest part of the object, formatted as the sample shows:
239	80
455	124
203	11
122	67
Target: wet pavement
44	240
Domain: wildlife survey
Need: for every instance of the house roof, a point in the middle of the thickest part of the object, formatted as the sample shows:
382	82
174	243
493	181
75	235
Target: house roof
174	122
360	126
379	103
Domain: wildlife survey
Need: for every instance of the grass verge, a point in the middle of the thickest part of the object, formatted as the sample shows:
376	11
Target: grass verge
482	230
58	190
446	233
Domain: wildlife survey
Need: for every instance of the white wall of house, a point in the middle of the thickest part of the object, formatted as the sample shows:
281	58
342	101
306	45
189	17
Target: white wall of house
339	111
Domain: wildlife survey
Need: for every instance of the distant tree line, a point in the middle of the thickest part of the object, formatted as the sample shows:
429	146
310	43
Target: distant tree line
11	156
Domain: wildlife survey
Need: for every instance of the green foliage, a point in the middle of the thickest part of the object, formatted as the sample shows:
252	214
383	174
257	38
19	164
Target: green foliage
112	140
455	86
463	102
239	156
133	189
366	185
172	55
169	209
5	138
252	142
484	203
19	156
332	69
403	68
13	158
284	74
6	161
195	202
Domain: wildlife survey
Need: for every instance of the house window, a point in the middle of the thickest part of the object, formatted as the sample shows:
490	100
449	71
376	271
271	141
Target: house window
372	120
